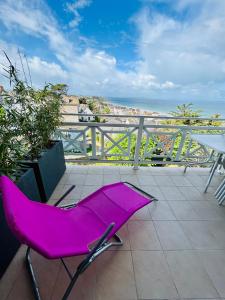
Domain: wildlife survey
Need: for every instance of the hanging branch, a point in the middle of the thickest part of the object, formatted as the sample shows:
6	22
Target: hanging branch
24	74
11	71
28	70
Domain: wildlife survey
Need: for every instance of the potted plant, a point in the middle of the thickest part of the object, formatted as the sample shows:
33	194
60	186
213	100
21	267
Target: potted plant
10	153
39	117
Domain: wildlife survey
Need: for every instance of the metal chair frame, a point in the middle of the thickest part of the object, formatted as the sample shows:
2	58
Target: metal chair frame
102	245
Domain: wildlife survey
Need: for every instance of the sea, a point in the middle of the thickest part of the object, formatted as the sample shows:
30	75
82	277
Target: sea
166	106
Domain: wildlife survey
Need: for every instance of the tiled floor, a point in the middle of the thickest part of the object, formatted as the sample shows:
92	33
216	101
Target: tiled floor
173	249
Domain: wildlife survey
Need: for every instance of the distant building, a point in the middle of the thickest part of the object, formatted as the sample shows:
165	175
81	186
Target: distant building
69	99
69	108
84	109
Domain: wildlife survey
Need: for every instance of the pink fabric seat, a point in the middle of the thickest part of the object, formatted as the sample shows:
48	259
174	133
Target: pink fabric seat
55	232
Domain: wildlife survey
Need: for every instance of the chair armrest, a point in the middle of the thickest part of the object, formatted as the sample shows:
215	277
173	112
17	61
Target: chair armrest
64	195
140	190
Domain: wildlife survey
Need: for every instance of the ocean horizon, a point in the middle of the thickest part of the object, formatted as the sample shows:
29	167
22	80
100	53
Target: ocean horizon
165	106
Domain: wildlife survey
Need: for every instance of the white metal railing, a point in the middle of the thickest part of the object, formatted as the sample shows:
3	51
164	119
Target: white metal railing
135	140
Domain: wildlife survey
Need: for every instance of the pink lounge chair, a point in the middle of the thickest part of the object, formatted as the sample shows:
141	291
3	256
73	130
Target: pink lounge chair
57	232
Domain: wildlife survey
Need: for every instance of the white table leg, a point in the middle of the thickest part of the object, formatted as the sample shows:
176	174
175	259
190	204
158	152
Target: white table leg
213	171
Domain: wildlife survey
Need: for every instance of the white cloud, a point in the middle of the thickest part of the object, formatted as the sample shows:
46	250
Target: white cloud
188	52
74	7
90	72
41	70
176	59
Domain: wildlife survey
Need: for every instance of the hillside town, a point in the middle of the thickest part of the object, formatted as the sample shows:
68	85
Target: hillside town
92	106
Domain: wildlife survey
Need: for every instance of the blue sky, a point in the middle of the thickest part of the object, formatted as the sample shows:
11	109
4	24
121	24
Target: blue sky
159	49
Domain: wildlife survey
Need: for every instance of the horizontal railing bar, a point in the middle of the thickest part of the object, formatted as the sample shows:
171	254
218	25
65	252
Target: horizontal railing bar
145	116
110	125
150	162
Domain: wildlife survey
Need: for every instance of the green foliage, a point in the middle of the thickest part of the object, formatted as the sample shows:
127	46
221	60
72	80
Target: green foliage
161	136
124	145
187	111
28	119
10	146
36	115
60	88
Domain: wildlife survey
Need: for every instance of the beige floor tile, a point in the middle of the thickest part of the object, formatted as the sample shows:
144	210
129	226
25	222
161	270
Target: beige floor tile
191	193
124	235
196	180
111	178
46	272
142	214
92	179
214	263
22	288
85	286
171	235
78	169
11	274
77	179
128	171
75	194
161	171
147	180
95	170
115	277
143	236
111	170
171	193
216	180
160	210
154	191
144	171
183	210
152	276
190	277
89	189
208	211
197	171
201	223
130	178
205	234
163	180
58	192
64	178
180	181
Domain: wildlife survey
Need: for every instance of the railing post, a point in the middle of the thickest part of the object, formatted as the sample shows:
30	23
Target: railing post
138	143
93	142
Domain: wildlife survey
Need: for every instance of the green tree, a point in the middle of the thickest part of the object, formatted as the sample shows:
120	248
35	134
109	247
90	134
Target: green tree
186	111
60	88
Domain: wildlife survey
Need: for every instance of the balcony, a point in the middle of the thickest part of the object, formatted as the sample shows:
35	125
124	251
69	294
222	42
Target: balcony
173	249
136	140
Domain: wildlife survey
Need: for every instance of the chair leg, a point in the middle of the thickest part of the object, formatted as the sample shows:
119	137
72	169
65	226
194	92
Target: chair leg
101	247
185	168
88	260
32	275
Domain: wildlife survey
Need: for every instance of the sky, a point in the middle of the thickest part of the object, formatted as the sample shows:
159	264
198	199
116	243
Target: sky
157	49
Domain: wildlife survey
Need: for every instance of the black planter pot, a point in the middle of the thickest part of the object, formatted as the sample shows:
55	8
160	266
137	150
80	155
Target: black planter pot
8	243
49	169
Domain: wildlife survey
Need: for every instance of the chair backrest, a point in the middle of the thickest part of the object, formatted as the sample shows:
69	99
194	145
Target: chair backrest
16	205
25	218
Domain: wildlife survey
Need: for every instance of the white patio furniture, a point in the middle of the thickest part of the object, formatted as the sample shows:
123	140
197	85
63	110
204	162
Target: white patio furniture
220	192
217	143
